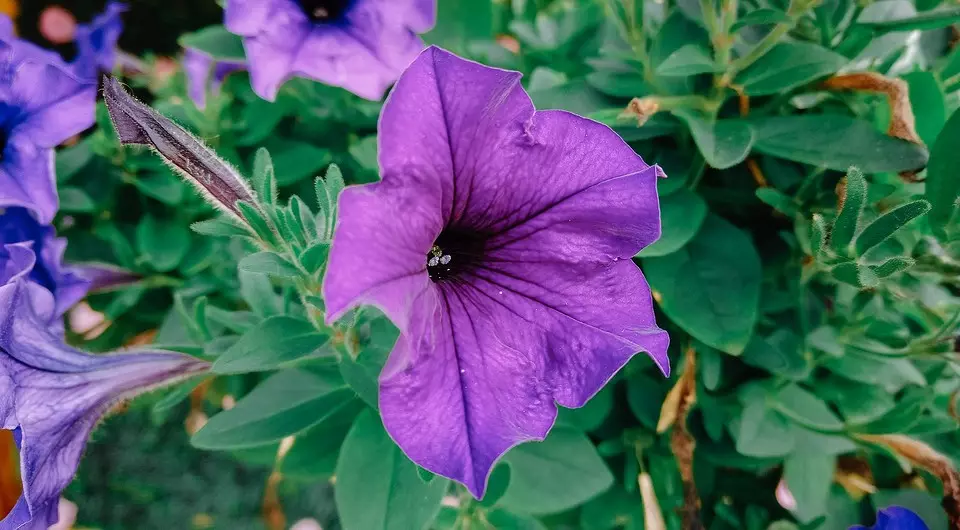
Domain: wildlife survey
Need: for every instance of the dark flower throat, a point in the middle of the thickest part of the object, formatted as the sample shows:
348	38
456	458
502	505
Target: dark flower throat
320	11
454	252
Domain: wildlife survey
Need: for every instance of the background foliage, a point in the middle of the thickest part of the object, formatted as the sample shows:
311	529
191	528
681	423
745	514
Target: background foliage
812	314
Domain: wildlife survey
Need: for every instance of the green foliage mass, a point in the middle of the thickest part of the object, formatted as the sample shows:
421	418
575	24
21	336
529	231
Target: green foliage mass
810	259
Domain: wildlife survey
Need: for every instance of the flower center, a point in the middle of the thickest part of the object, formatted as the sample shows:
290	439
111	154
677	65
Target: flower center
320	11
4	137
10	484
454	252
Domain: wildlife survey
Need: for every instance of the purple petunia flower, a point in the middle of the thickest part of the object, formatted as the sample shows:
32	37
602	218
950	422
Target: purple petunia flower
97	42
199	67
52	396
67	285
895	518
499	242
360	45
41	104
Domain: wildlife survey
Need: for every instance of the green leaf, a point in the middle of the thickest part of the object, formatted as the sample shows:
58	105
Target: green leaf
503	520
378	488
809	474
837	142
264	177
645	397
943	185
254	217
161	185
778	200
216	42
697	284
555	475
762	432
314	453
724	143
258	292
888	224
614	509
780	353
681	215
806	409
295	161
376	341
846	225
286	404
929	104
936	19
72	159
219	227
177	394
274	343
762	16
787	66
75	200
690	59
162	243
269	263
592	414
892	266
365	153
855	274
315	257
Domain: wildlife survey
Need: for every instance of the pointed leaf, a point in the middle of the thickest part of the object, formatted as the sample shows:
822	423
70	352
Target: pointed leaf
288	403
378	488
887	224
274	343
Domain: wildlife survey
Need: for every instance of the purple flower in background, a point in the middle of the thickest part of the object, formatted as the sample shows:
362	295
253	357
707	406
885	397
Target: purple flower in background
41	104
360	45
66	284
52	396
499	242
97	42
199	67
895	518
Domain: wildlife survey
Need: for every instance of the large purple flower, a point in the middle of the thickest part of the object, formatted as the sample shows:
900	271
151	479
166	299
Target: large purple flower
360	45
97	42
205	74
499	242
41	104
52	396
895	518
67	285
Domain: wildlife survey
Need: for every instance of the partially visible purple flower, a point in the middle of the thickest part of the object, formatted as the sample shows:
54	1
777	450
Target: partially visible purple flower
895	518
41	104
499	241
199	68
52	395
360	45
97	42
66	284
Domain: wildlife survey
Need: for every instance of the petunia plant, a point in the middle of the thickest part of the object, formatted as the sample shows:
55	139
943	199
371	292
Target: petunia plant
546	264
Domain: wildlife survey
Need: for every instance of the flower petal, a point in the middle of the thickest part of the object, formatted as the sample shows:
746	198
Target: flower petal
504	165
493	356
27	179
97	42
55	395
380	249
63	108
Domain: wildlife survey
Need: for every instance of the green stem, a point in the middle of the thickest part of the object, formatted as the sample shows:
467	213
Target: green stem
795	11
